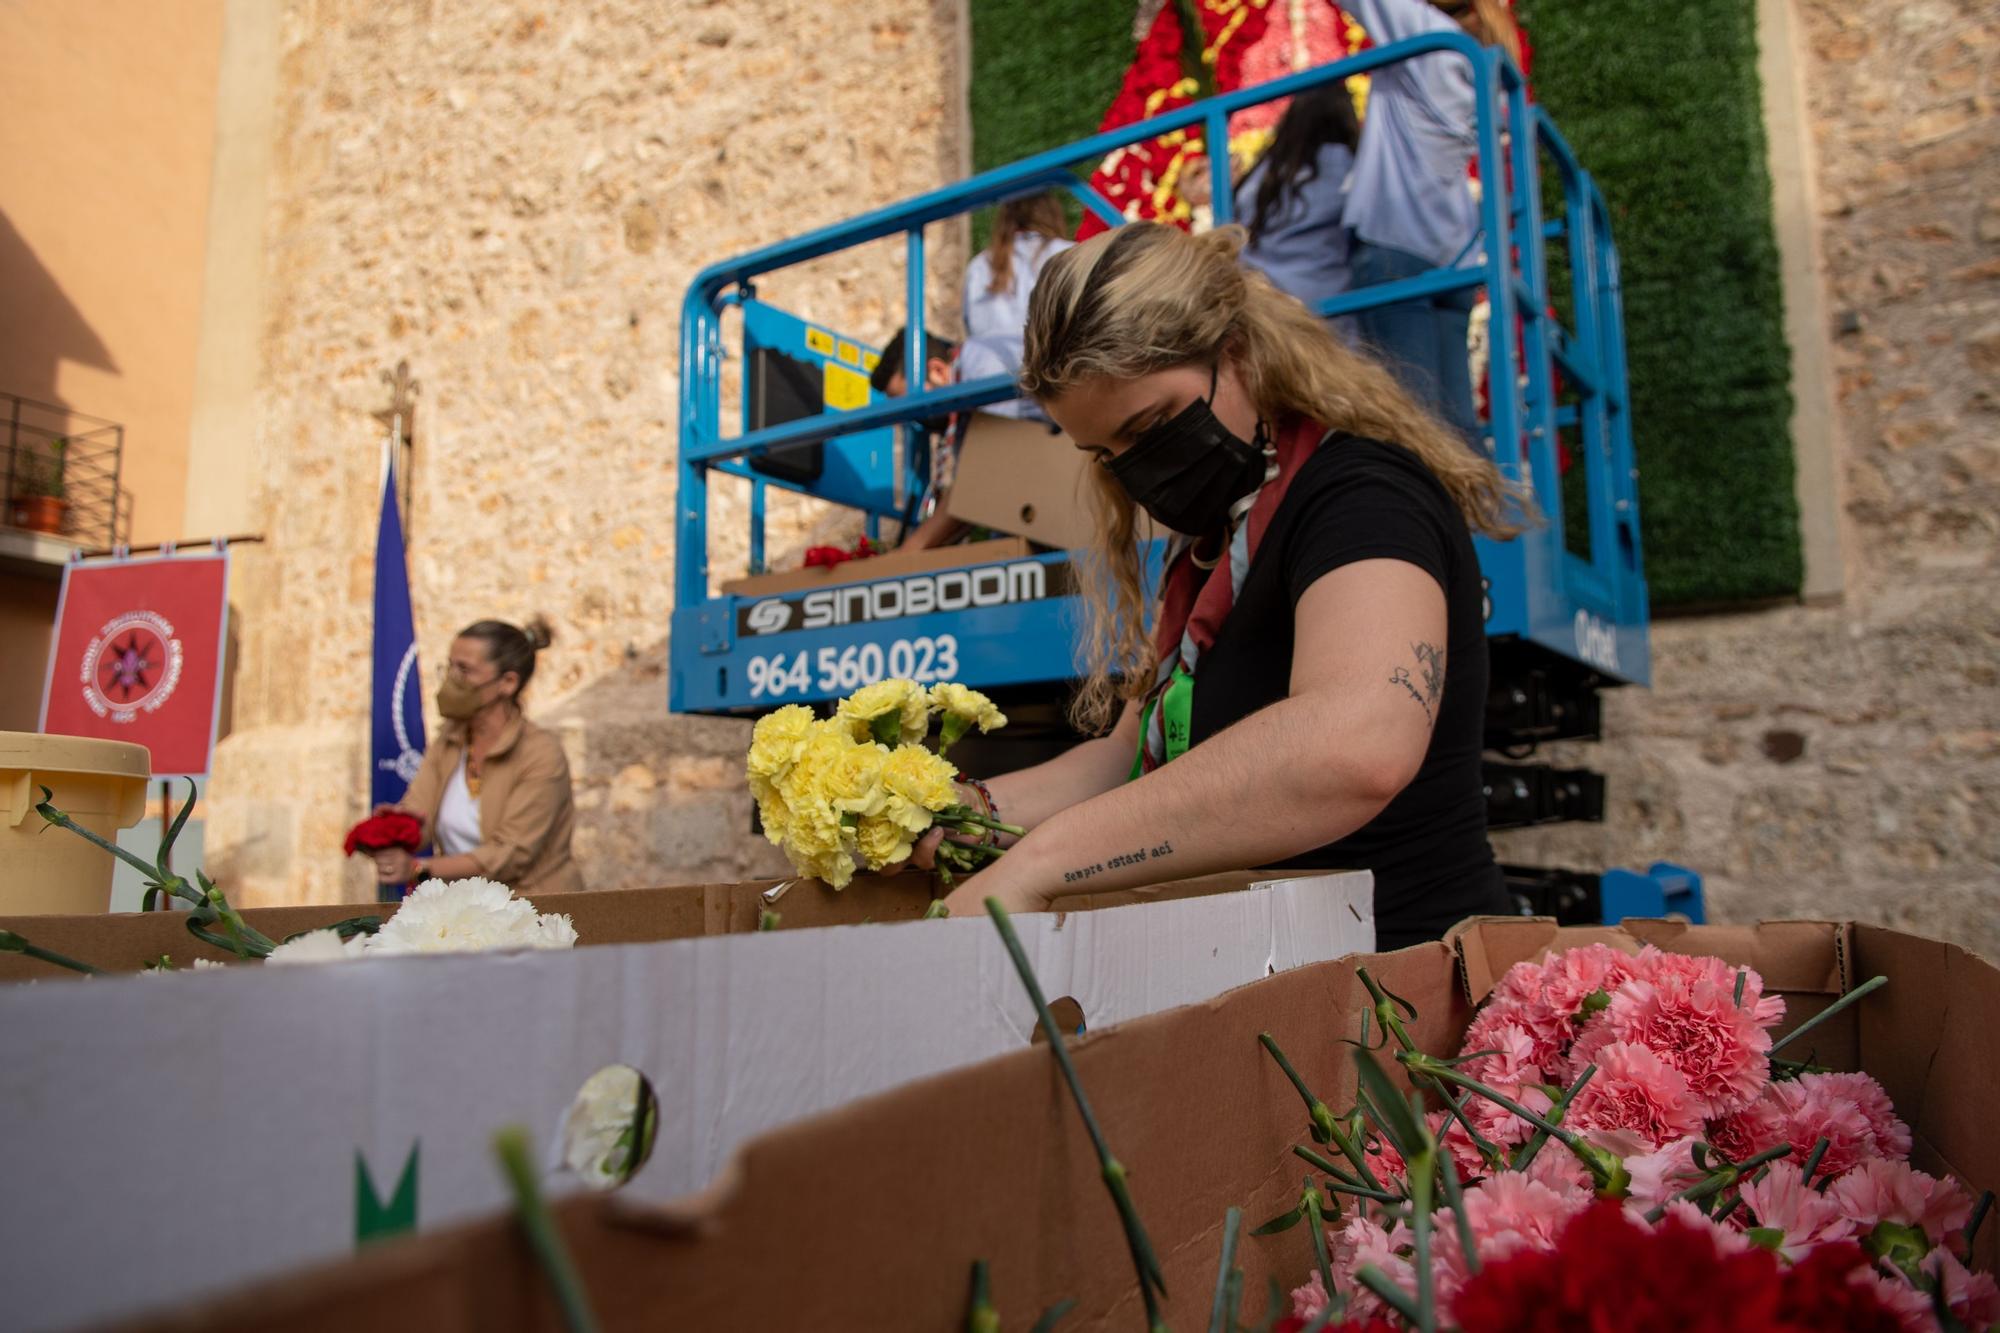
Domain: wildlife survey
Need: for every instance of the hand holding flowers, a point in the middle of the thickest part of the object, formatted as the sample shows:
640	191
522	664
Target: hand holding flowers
862	788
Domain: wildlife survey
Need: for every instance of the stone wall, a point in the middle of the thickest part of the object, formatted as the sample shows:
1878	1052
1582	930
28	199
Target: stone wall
1844	760
514	198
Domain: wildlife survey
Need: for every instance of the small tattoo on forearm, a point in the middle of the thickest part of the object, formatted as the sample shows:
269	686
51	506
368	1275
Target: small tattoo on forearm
1117	862
1428	684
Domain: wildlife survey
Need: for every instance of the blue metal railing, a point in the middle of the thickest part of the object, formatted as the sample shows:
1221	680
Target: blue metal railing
703	447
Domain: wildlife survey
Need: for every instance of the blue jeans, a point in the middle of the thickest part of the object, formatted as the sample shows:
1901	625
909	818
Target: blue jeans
1421	342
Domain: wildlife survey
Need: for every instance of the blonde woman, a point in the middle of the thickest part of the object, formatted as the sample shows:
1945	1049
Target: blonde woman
1313	689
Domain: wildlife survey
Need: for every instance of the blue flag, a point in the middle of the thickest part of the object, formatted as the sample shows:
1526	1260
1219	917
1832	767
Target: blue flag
398	743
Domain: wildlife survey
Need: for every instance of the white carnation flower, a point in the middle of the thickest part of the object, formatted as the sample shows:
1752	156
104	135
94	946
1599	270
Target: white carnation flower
315	946
606	1136
468	916
205	964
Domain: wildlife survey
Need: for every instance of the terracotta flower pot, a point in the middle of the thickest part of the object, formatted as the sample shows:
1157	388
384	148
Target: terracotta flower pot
38	513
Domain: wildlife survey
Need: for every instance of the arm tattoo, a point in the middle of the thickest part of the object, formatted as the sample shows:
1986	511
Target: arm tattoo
1428	683
1119	861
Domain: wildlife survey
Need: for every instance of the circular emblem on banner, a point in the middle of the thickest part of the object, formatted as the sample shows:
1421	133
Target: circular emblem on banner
131	666
408	757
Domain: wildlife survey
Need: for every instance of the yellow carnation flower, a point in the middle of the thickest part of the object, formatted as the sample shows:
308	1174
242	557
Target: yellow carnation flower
905	698
974	708
853	782
778	741
919	785
883	842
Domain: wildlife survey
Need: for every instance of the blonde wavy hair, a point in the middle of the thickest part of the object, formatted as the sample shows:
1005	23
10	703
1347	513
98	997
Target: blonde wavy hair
1146	297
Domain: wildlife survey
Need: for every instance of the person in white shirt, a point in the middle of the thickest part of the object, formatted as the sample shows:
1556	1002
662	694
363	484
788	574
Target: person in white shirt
1409	198
1027	234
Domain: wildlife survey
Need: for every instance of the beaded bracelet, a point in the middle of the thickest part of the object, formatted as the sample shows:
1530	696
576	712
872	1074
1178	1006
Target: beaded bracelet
992	806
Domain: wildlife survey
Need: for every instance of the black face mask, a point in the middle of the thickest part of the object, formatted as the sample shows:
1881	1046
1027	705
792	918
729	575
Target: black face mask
1190	469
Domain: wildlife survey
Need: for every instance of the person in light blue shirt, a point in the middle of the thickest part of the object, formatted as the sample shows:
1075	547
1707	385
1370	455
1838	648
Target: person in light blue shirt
1027	234
1409	198
1291	201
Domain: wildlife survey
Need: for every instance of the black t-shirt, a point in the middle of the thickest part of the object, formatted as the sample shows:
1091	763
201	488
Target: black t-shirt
1357	499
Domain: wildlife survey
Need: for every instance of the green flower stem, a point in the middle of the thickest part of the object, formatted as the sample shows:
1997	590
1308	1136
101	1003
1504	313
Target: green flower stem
1812	1161
1391	1295
1341	1182
1425	1064
768	920
937	911
1392	1023
1423	1177
1317	1111
1718	1181
532	1211
1152	1284
1316	1219
1220	1312
1454	1199
12	943
1563	1103
1872	984
173	884
981	1317
1979	1211
1325	1128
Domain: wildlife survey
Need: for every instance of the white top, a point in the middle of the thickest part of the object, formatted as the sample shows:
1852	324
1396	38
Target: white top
457	830
1409	190
1005	314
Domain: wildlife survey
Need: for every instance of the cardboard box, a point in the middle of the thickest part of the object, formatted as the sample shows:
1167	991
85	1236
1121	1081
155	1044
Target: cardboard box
167	1136
870	1216
1023	477
126	941
892	565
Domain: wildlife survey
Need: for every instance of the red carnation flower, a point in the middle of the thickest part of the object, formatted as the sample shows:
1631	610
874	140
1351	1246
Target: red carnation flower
381	832
1608	1271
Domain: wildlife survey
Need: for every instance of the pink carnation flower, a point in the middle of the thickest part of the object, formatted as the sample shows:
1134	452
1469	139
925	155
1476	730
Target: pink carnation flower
1636	1089
1310	1299
1884	1191
1805	1110
1974	1298
1508	1212
1744	1133
1891	1135
1783	1202
1695	1026
1658	967
1361	1242
1501	1025
1659	1175
1912	1308
1728	1240
1517	1058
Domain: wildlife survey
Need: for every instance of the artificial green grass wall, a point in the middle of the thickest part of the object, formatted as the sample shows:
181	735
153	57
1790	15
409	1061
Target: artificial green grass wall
1663	107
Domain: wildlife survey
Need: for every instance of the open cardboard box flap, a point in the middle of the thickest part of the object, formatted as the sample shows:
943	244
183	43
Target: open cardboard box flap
870	1216
126	941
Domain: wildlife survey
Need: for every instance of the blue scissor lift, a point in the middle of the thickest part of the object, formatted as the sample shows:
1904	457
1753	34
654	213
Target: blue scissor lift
1566	610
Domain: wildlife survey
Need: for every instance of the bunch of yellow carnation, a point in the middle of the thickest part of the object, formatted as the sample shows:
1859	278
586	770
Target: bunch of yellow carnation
860	788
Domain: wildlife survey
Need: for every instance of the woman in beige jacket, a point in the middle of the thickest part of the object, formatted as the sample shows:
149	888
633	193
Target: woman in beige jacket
494	791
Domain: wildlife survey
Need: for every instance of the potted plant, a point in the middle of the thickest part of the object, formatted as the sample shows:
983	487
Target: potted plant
40	499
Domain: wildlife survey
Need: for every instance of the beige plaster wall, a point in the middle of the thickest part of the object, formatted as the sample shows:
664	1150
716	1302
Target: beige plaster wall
513	197
106	134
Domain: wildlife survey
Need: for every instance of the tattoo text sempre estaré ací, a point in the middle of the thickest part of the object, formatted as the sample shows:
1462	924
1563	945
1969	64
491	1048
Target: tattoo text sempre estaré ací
1428	682
1165	849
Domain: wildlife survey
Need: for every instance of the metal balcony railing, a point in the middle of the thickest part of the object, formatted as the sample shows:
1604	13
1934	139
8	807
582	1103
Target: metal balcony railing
63	470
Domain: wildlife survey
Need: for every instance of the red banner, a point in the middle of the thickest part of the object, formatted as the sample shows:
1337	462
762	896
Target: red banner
138	656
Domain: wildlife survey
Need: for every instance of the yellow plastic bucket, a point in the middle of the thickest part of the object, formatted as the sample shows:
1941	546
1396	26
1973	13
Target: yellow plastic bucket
99	784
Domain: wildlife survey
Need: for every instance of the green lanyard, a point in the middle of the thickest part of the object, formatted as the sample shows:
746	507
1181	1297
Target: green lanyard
1176	703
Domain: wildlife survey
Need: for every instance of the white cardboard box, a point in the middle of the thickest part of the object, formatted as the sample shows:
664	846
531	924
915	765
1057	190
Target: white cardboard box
169	1136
